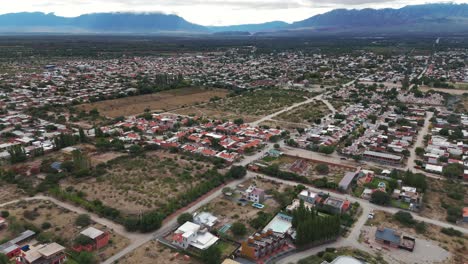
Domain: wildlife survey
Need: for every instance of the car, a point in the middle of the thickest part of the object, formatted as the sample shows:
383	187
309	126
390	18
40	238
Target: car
371	216
343	158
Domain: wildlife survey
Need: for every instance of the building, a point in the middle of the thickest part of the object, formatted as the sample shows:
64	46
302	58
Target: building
205	219
344	260
280	224
261	245
347	180
380	157
393	238
191	234
100	238
465	214
254	194
407	194
308	197
11	248
335	205
52	253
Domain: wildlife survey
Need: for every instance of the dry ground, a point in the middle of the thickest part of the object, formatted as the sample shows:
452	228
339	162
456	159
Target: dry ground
162	101
136	184
455	245
153	252
9	192
437	194
444	90
250	105
305	114
98	158
335	173
63	228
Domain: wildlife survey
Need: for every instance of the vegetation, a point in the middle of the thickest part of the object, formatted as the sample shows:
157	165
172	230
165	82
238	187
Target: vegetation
185	217
380	198
238	229
83	220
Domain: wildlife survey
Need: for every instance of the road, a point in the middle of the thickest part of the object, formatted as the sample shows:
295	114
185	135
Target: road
410	164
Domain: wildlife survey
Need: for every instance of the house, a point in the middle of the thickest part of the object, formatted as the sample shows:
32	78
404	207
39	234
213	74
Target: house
205	219
254	194
11	248
308	197
347	180
191	234
465	214
262	244
100	238
388	236
380	157
407	194
434	168
335	205
52	253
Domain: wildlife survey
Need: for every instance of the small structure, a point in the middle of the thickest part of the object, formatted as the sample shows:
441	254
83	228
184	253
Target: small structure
11	248
393	238
100	238
308	196
280	224
344	260
52	253
191	234
347	180
205	219
336	206
465	214
380	157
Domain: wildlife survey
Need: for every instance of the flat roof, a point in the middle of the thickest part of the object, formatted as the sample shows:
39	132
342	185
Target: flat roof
92	232
51	249
23	236
382	155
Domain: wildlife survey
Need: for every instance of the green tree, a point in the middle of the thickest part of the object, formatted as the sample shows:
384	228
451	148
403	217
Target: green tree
380	198
83	137
238	229
181	219
83	220
238	121
85	258
211	255
322	168
453	170
17	154
4	259
237	172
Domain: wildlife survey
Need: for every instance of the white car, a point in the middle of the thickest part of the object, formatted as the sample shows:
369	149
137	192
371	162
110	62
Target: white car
370	216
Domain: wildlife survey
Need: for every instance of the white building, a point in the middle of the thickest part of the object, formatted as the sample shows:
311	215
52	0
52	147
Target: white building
191	234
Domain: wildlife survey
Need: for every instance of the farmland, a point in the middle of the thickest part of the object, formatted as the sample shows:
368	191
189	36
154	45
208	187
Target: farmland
249	105
135	184
162	101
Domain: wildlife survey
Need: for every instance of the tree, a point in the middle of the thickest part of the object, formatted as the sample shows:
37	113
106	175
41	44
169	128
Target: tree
238	229
17	154
135	149
4	259
5	214
419	151
322	168
276	146
405	218
185	217
83	220
453	170
238	121
211	255
85	258
326	149
83	137
380	198
237	172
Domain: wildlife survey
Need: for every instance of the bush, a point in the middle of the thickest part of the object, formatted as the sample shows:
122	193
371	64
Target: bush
46	225
30	215
184	218
451	232
5	214
238	229
83	220
380	198
421	227
405	218
322	168
237	172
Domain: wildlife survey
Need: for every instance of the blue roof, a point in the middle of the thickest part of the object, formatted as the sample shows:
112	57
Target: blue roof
56	165
388	234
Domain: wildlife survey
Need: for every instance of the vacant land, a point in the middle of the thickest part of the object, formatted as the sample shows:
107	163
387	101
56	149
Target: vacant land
458	91
9	192
154	252
442	196
136	184
163	101
308	113
249	105
453	244
61	225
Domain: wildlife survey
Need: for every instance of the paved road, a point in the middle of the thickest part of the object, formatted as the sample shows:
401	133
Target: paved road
410	164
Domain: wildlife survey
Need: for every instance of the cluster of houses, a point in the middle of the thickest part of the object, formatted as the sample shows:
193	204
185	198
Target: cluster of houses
23	249
34	135
312	199
226	140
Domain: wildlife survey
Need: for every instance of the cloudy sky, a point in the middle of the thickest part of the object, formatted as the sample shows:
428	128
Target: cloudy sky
208	12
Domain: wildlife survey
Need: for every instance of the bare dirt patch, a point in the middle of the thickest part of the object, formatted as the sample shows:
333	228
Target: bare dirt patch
137	184
163	101
9	192
154	252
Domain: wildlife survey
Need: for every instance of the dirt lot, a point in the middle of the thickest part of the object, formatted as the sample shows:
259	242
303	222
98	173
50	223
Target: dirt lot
229	211
455	245
437	196
136	184
163	101
449	91
308	168
98	158
154	252
9	192
305	114
63	229
249	105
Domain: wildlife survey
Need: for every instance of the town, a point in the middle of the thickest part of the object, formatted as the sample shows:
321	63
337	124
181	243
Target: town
236	155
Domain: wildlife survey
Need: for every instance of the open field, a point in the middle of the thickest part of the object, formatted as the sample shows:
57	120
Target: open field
136	184
162	101
250	105
455	245
440	194
62	225
305	114
154	252
356	253
458	91
9	192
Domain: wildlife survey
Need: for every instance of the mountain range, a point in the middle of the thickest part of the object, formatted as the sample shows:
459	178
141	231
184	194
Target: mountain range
430	18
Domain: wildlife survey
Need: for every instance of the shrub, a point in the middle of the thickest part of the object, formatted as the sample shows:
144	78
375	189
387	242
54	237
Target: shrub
322	168
83	220
451	232
238	229
46	225
381	198
184	218
5	214
405	218
421	227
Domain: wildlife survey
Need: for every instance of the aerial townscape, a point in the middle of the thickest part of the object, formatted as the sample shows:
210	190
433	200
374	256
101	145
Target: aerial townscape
141	138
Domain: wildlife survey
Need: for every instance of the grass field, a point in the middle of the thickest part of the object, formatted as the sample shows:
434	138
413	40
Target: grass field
138	184
250	105
163	101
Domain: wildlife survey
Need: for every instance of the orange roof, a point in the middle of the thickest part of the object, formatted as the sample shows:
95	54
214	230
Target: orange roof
465	212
